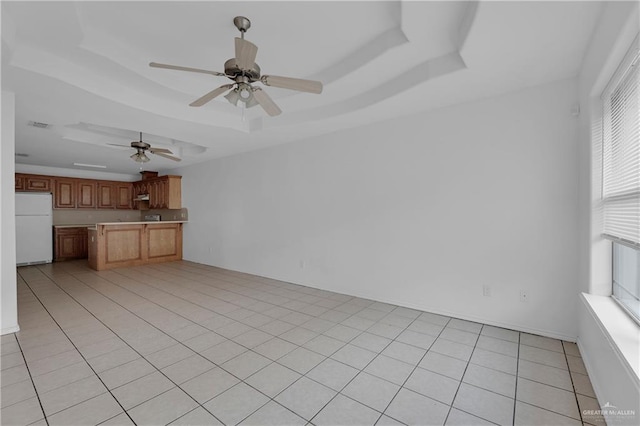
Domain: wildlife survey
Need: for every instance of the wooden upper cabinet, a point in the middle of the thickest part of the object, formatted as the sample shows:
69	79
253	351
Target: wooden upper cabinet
38	183
64	194
20	183
172	192
124	195
164	192
35	183
87	190
106	195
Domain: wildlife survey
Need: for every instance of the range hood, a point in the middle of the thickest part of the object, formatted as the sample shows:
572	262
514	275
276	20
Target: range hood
142	197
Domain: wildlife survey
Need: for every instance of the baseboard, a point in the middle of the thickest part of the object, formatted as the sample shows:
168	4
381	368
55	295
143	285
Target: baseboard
8	330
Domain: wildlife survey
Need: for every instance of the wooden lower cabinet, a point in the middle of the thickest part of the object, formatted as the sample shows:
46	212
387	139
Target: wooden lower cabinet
119	245
70	243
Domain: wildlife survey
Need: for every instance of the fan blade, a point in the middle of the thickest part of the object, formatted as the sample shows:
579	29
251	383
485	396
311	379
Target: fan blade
266	102
123	146
298	84
161	150
170	157
209	96
179	68
245	54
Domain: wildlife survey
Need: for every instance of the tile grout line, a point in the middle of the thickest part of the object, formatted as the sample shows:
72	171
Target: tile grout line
515	393
575	392
32	382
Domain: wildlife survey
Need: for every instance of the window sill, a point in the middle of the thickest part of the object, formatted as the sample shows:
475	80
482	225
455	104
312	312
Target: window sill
622	331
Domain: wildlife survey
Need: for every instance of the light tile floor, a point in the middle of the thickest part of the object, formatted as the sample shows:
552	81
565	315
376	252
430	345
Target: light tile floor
187	344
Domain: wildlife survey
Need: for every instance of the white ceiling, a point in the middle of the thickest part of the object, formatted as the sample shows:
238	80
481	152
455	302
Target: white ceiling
82	67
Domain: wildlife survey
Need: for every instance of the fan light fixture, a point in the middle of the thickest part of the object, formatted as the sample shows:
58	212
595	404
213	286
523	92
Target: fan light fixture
140	157
242	93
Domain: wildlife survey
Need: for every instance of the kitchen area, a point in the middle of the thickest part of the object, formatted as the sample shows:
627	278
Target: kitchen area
110	223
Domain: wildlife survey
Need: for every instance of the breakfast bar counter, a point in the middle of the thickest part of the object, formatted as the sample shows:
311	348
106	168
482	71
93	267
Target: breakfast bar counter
121	244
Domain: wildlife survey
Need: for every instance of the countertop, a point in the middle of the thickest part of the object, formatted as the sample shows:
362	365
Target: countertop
148	222
93	225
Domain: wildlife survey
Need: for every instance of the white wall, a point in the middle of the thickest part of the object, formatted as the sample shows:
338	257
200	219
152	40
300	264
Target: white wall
608	339
8	290
420	211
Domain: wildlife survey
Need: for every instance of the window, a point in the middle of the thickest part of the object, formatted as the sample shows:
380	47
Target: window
621	178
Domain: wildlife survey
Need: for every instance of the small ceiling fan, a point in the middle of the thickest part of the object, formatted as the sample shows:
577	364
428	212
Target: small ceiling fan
141	147
243	71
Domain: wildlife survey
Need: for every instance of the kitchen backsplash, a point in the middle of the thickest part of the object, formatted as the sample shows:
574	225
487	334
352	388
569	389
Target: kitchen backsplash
88	217
168	214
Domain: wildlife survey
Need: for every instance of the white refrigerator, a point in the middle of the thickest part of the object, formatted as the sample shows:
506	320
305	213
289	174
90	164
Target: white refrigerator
34	240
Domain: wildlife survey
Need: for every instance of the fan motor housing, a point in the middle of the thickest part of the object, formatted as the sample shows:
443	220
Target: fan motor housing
140	145
232	70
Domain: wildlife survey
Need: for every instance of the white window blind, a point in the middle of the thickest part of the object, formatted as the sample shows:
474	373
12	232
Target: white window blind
621	151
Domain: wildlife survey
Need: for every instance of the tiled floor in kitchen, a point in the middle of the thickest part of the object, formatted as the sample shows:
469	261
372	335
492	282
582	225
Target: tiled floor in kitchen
184	343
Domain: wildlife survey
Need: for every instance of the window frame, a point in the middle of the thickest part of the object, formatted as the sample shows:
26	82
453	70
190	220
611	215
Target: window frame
617	83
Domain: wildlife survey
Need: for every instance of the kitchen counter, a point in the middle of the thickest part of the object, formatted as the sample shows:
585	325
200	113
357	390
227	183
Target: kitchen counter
123	244
143	222
93	225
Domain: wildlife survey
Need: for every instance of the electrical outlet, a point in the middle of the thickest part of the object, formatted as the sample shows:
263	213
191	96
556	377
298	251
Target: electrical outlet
486	291
524	296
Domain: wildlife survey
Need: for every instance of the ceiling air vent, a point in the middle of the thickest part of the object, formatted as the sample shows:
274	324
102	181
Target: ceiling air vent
39	124
20	154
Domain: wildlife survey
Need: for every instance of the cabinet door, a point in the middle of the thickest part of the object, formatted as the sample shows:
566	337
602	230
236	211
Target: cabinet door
124	195
20	183
106	195
163	193
64	195
155	195
70	243
38	183
86	194
173	191
65	246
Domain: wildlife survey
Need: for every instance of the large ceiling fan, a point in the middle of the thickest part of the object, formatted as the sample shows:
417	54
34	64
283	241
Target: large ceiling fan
141	147
244	71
